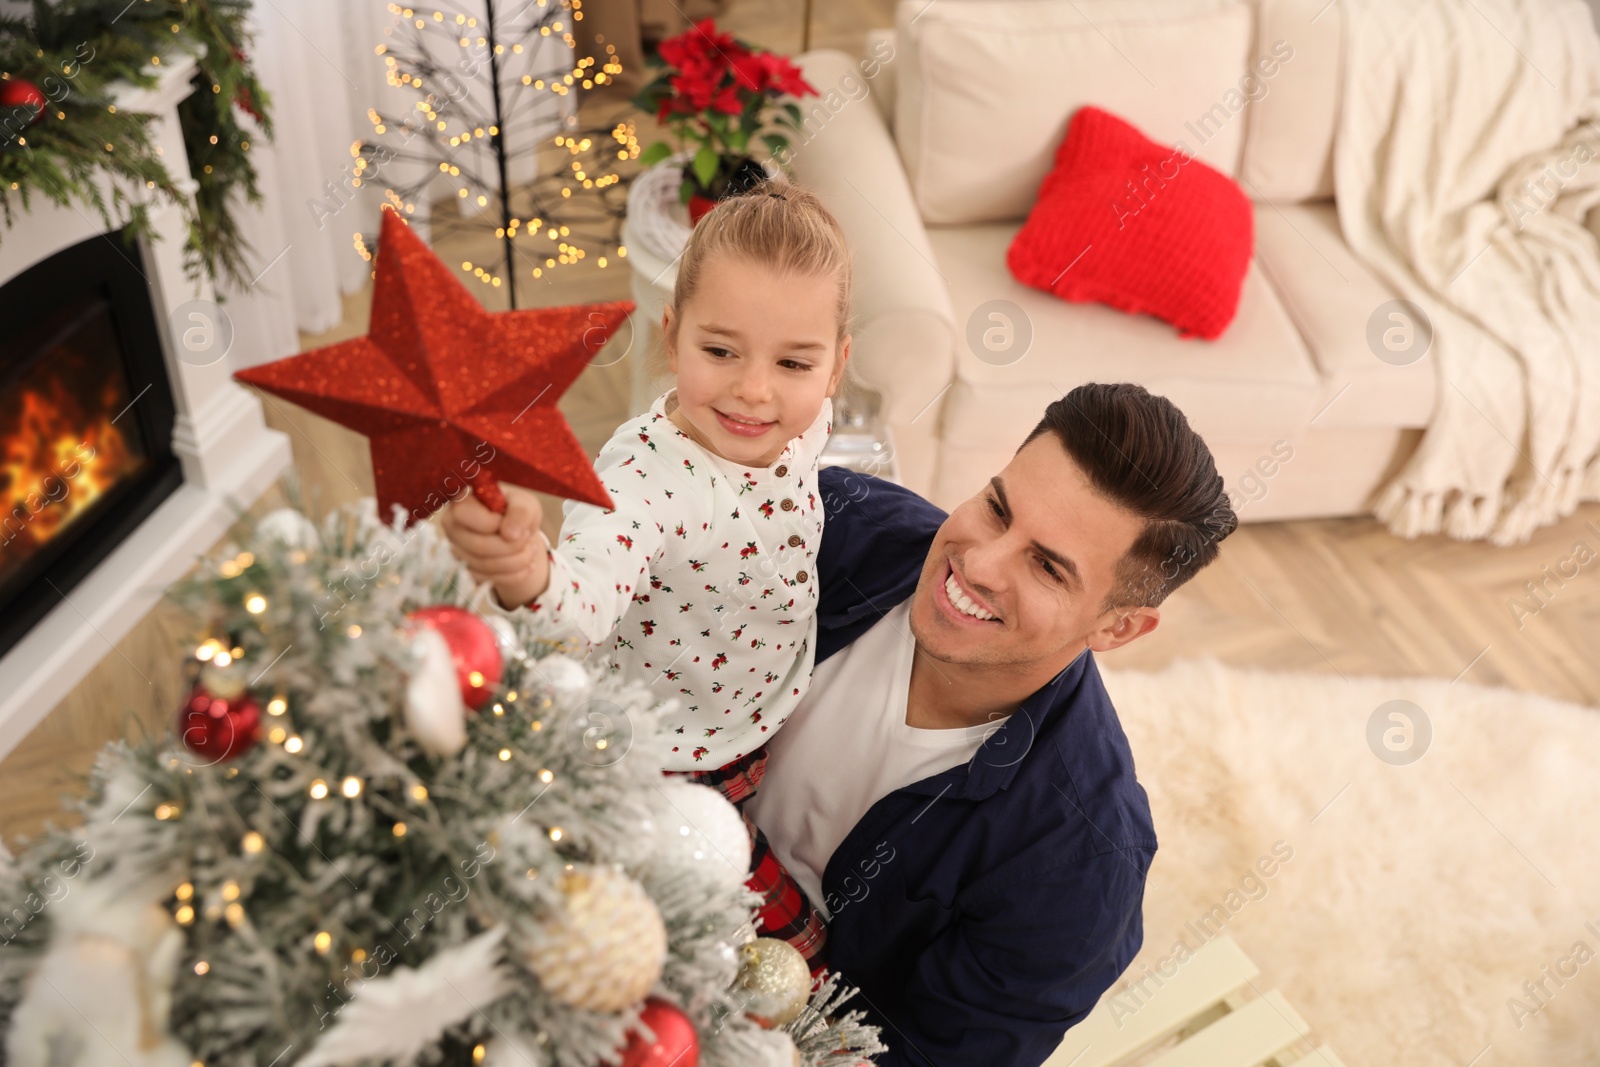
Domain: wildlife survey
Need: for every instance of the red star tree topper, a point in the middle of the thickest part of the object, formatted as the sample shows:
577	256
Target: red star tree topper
448	394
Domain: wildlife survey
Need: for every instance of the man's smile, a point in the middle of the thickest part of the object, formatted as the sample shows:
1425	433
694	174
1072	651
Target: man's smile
960	603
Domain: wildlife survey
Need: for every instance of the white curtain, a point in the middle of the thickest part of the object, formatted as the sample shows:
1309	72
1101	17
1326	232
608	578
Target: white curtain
316	61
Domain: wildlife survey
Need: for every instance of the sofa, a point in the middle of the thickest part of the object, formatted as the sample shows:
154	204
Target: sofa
930	150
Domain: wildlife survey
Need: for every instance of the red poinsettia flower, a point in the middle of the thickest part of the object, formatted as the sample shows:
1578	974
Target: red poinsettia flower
718	92
728	101
701	43
675	52
751	71
784	77
694	94
706	31
709	68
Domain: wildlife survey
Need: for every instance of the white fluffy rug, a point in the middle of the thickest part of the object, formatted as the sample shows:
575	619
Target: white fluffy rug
1422	898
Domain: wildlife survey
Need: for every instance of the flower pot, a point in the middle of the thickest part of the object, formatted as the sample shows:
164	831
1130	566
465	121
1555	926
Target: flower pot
735	175
698	206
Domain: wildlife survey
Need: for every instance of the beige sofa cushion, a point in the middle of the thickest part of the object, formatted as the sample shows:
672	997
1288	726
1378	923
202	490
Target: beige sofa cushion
1331	296
984	90
903	328
1288	147
880	45
1256	381
1327	472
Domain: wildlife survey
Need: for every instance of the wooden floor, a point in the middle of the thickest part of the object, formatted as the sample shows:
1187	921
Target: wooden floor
1341	597
1346	597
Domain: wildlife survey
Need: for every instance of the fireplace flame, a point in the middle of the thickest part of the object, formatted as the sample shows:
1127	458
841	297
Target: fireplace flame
56	464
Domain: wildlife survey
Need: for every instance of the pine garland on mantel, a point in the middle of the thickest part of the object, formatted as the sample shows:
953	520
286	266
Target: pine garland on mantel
61	131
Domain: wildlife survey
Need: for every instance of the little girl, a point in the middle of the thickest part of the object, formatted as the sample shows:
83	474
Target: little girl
702	578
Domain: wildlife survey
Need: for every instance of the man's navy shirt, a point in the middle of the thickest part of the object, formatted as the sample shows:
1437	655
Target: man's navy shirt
984	910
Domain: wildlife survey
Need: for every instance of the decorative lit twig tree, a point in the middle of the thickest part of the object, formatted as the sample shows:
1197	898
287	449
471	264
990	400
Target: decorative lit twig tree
496	117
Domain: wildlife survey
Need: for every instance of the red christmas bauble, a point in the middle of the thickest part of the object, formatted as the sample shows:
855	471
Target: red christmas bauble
19	92
473	649
676	1043
217	727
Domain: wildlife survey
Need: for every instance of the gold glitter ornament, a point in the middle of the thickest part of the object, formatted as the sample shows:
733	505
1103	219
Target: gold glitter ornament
774	981
605	949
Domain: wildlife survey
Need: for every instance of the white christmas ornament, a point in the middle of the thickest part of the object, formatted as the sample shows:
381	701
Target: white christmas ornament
566	677
291	528
505	635
103	990
694	826
434	712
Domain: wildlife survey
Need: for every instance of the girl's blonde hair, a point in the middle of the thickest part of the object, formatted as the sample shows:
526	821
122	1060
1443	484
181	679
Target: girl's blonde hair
777	224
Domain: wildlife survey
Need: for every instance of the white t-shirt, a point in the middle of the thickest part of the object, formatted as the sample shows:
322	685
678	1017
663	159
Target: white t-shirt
846	746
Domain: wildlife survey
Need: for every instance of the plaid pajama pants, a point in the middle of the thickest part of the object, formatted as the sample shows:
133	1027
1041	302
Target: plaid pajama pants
785	912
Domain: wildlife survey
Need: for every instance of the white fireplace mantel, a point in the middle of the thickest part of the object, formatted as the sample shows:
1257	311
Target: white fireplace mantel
229	455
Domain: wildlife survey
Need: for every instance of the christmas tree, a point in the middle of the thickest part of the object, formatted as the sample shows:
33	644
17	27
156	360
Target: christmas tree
390	830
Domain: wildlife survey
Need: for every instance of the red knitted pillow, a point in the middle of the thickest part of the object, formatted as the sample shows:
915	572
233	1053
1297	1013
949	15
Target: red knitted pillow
1145	228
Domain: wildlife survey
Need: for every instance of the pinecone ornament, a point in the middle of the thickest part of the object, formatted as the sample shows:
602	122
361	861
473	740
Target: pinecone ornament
604	951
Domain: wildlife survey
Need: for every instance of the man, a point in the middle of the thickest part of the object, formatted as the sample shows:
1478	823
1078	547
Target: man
955	791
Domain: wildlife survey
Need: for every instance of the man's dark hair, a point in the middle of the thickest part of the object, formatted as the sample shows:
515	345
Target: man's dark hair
1140	453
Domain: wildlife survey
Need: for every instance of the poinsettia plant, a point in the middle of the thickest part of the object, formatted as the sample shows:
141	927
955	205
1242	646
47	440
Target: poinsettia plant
719	95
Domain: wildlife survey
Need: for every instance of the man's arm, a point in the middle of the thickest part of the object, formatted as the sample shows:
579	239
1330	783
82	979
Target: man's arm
1031	959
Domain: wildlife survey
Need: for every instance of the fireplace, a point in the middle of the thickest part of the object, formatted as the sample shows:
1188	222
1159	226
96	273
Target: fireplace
85	422
128	457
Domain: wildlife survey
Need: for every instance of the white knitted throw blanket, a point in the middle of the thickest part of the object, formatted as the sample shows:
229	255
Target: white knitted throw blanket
1466	162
